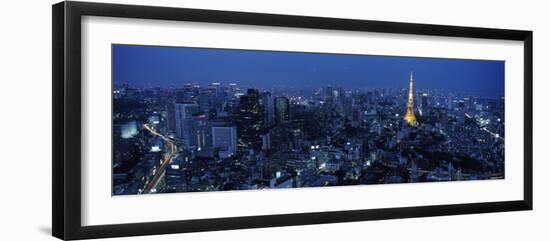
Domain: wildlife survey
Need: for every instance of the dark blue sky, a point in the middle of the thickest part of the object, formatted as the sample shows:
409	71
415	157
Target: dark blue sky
164	66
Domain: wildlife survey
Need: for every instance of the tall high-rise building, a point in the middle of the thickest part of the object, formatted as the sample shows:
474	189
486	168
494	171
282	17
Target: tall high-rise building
206	100
201	132
250	119
269	108
184	119
171	117
282	110
409	116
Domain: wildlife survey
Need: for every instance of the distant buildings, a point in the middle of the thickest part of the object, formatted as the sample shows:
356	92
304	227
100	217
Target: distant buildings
224	138
282	110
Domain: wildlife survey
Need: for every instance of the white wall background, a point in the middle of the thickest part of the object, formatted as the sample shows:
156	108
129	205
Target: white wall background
25	104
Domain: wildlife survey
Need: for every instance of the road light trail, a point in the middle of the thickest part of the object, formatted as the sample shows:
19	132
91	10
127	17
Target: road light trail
157	134
496	135
167	159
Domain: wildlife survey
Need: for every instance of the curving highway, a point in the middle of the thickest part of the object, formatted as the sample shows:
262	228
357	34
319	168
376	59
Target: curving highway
168	157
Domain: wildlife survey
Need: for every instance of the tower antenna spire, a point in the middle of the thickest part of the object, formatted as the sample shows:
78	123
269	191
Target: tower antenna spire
409	116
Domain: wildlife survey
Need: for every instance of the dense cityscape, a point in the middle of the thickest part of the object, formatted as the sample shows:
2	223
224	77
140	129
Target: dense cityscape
223	136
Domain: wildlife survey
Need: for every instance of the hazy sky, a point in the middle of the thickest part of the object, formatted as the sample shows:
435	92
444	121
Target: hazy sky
165	66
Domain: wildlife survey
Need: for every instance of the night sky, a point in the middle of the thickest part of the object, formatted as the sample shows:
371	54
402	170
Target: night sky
149	66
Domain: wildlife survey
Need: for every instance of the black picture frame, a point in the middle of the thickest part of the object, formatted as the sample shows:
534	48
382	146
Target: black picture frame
66	128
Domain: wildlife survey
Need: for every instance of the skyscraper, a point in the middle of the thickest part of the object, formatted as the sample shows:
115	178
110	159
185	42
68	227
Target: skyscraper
184	122
282	109
201	132
171	116
206	99
409	116
250	119
269	108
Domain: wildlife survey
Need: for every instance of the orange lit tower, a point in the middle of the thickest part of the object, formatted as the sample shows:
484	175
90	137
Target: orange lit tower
409	116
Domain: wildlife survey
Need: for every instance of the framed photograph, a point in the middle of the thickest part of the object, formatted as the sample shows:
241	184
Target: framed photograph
169	120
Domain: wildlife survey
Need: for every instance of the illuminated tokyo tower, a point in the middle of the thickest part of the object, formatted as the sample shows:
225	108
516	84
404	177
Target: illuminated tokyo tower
409	116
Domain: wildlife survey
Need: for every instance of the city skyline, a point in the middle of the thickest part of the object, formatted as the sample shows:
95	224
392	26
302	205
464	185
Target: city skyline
220	136
154	66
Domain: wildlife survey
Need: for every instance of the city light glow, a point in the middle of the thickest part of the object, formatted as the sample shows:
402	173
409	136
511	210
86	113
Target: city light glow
195	120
